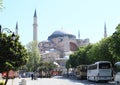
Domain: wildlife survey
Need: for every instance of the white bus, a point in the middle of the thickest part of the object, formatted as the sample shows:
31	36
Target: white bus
100	71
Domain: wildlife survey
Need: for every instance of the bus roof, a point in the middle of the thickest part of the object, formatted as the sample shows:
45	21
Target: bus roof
117	63
81	65
102	62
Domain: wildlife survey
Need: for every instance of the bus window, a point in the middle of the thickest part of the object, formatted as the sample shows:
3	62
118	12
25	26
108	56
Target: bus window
91	67
104	65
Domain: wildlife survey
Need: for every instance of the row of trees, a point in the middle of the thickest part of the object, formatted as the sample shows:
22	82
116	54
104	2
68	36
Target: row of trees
107	49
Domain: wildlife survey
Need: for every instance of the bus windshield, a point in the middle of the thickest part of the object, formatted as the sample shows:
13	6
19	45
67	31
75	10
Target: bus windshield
82	68
104	65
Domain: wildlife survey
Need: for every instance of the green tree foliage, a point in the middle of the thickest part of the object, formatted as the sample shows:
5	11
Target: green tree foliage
115	44
34	56
94	53
79	57
82	55
108	49
13	55
46	66
73	60
1	4
68	66
104	50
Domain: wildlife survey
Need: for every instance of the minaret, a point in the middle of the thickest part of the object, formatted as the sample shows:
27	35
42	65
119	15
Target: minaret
78	34
16	28
105	31
35	25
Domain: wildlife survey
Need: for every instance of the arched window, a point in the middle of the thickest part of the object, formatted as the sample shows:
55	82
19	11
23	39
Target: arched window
73	46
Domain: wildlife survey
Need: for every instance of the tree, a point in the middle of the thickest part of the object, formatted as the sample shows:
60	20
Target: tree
47	68
79	57
13	54
104	50
1	4
67	66
114	45
82	55
73	60
108	49
34	56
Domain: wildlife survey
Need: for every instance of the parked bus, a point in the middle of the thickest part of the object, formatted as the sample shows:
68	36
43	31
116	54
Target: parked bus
100	71
81	72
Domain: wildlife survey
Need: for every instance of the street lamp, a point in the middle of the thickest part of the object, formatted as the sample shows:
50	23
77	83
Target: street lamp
8	30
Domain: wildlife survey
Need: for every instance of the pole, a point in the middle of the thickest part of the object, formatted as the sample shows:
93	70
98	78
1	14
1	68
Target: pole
12	81
0	30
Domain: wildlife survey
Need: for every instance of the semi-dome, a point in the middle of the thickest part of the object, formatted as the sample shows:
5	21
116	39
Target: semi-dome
60	33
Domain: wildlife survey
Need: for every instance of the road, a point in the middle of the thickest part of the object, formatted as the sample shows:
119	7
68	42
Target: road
55	81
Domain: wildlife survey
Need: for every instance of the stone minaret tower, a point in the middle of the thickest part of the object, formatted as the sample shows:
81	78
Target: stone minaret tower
16	28
105	31
35	25
78	34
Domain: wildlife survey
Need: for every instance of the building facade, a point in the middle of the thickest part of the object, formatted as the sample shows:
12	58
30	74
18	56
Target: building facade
59	46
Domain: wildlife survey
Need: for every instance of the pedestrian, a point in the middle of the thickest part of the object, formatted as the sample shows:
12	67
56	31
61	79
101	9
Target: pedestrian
32	76
19	76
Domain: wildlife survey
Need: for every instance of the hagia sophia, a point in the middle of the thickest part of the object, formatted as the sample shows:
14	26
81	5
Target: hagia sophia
59	45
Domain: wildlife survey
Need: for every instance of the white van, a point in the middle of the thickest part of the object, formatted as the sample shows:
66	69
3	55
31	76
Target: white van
117	75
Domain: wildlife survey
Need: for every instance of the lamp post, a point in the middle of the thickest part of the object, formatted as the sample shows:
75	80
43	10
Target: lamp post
8	30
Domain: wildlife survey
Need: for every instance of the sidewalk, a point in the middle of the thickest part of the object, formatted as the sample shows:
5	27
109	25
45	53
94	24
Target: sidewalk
15	81
18	81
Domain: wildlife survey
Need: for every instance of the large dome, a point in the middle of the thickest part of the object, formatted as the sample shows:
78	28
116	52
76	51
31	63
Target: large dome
60	33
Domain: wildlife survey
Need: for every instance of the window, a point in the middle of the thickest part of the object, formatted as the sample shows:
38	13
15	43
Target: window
104	65
91	67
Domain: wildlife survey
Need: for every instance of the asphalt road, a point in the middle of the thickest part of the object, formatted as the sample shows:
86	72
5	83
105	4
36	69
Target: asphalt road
54	81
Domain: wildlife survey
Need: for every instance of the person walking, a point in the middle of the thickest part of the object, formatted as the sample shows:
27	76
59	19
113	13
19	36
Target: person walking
32	76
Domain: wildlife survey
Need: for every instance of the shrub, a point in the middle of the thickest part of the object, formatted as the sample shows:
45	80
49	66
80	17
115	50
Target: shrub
1	83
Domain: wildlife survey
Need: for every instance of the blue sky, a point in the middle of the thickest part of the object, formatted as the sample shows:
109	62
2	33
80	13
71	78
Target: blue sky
88	16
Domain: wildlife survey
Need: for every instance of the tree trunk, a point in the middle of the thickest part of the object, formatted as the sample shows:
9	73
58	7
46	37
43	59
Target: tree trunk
6	80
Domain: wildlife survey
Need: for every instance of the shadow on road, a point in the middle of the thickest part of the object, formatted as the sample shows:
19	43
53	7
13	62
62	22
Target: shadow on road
84	82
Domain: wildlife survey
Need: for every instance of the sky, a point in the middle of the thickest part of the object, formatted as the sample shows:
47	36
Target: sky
87	16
